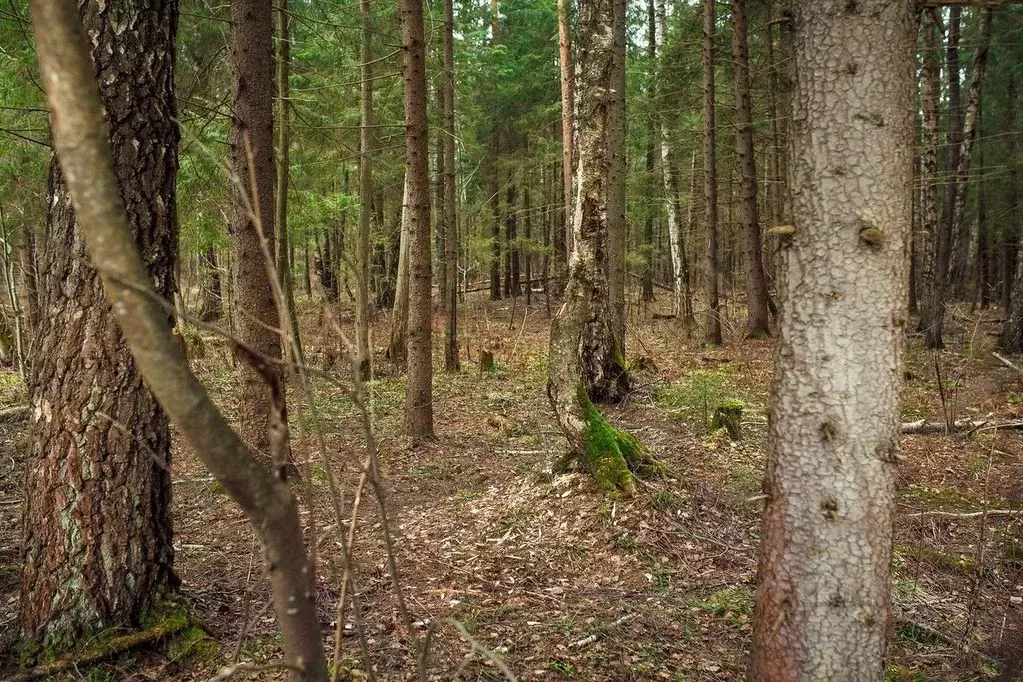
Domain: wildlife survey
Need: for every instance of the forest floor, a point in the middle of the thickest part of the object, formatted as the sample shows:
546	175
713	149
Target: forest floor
557	581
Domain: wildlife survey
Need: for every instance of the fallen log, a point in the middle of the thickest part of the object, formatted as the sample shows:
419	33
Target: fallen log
922	427
13	414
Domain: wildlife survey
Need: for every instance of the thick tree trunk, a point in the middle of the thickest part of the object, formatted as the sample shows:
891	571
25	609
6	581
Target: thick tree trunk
451	361
567	129
363	234
758	317
252	198
85	156
581	334
822	607
710	179
97	545
418	391
616	225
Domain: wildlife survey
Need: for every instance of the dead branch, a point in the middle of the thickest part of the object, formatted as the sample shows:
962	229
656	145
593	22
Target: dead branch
14	414
1005	361
923	427
969	515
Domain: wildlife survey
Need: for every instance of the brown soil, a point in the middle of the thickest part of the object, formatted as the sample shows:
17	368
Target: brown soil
550	577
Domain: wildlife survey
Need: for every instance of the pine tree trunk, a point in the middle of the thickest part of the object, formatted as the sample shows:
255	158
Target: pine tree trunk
647	292
1011	338
527	254
418	391
960	231
822	608
758	317
97	545
451	361
710	180
933	228
363	234
512	277
282	259
252	136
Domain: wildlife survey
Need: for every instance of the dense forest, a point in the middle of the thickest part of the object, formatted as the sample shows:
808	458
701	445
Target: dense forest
511	339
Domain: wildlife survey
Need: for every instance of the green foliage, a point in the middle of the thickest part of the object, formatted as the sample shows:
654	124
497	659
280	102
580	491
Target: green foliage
697	398
734	604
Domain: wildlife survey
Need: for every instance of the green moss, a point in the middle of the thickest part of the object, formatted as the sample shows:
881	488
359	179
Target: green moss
734	604
612	456
955	563
193	644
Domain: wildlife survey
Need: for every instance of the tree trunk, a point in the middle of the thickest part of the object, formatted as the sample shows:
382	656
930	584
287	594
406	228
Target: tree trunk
647	292
758	317
451	361
283	259
710	179
252	200
363	235
212	302
581	334
495	226
418	391
822	607
957	272
616	225
935	267
397	347
85	156
1011	338
512	277
97	545
567	128
527	253
440	233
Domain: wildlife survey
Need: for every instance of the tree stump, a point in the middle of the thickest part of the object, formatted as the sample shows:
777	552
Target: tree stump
728	416
487	362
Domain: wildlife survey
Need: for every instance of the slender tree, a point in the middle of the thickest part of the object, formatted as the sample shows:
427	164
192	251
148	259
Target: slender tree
822	608
647	292
419	391
567	123
935	263
97	545
616	225
363	234
252	207
451	361
710	179
758	317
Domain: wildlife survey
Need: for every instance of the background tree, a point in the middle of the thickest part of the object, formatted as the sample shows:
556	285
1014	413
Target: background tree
252	207
710	182
97	545
823	597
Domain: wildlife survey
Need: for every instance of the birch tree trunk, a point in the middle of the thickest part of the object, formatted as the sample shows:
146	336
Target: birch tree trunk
582	338
567	127
822	605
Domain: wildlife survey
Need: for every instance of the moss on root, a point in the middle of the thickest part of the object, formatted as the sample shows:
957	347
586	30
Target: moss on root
612	456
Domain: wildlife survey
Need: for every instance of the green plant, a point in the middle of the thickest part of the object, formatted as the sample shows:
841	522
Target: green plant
734	604
699	396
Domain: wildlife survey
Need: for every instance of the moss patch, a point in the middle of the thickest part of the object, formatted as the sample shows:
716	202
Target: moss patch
612	455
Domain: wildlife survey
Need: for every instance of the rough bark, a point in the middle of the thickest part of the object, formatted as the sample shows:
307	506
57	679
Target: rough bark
252	198
451	361
97	545
758	316
363	237
567	128
616	225
581	332
397	346
647	280
418	391
85	156
1011	338
710	180
822	604
512	274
